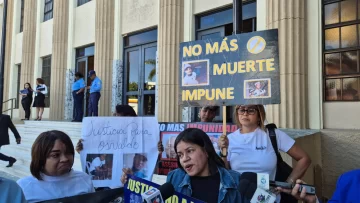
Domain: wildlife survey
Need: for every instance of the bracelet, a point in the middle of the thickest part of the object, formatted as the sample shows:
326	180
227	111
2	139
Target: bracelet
221	155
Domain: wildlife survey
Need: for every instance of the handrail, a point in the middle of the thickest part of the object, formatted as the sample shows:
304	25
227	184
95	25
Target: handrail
12	106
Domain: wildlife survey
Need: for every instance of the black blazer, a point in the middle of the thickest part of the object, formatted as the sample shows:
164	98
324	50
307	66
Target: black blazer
5	124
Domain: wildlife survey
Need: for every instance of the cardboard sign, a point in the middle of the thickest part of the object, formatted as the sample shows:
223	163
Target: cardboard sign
135	186
169	132
238	69
113	143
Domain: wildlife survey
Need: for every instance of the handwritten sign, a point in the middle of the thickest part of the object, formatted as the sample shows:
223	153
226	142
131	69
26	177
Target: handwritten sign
136	186
113	143
237	69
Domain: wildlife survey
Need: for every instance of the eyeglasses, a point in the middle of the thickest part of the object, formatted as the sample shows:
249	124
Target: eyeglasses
250	111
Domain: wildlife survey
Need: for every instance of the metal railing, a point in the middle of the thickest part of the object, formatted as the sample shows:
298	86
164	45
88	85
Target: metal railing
13	106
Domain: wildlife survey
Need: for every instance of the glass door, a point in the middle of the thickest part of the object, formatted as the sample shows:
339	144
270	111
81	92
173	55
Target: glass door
84	65
140	77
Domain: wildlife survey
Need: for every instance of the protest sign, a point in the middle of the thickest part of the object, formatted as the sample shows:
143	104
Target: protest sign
135	186
169	132
113	143
238	69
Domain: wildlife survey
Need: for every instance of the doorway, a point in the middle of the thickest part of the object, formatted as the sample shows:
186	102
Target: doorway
140	77
84	64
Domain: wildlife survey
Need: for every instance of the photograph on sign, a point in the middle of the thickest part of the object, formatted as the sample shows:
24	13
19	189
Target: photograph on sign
195	73
137	163
259	88
99	166
242	69
168	141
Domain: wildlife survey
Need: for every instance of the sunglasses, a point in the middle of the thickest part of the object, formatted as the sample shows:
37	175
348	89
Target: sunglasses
250	111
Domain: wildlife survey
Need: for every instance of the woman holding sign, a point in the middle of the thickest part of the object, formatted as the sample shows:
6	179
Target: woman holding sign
250	148
201	173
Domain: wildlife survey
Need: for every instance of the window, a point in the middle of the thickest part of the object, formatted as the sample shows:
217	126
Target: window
219	24
22	16
18	86
46	76
81	2
48	10
140	72
341	50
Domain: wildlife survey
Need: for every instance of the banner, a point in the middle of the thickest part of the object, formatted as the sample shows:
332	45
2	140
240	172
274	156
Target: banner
238	69
113	143
136	186
169	132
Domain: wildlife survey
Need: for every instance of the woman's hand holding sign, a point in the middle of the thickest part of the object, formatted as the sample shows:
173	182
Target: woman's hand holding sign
126	172
223	142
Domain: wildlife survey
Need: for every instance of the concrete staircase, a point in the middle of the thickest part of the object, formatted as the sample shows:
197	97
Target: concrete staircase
29	132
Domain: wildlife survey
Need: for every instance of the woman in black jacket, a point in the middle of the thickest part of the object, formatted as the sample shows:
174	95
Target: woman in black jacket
26	99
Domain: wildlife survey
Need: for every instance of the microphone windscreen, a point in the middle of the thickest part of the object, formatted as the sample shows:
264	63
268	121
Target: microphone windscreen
166	190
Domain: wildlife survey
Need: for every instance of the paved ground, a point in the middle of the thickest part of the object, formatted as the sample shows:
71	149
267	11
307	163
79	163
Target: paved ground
8	176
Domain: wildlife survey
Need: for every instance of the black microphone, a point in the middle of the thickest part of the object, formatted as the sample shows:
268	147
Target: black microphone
252	177
155	195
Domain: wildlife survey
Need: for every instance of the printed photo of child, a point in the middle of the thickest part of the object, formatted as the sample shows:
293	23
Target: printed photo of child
259	88
195	73
138	164
168	141
99	166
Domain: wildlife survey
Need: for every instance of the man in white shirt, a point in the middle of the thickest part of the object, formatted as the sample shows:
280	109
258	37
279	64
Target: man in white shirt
97	163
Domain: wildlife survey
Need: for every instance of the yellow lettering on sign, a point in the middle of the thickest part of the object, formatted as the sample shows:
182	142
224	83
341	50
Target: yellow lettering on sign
233	44
260	62
137	187
224	45
196	51
212	49
250	65
186	51
219	71
244	67
209	94
270	64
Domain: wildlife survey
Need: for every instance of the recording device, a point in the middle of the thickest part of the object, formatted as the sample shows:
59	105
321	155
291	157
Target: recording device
155	195
252	177
250	190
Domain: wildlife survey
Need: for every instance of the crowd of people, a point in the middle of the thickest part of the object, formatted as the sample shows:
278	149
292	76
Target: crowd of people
202	172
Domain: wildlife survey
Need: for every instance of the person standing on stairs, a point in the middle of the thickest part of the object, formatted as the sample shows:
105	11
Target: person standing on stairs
5	124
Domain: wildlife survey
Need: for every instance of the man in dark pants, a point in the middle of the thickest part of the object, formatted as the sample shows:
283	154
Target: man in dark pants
95	95
5	124
78	94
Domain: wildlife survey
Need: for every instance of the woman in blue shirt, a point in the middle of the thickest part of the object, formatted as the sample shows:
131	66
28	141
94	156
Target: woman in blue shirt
201	173
78	94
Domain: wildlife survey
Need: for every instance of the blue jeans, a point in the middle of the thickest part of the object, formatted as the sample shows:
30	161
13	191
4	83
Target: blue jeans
78	108
93	104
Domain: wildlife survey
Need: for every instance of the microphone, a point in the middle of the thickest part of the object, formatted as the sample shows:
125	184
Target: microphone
252	177
155	195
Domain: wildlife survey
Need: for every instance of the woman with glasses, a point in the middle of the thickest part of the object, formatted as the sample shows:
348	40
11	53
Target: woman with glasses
250	148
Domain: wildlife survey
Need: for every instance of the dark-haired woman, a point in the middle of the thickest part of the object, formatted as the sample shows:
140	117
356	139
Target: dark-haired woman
39	102
201	173
78	94
26	99
52	158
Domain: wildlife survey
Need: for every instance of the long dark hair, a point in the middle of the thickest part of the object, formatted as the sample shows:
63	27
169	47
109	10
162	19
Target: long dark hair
199	137
125	110
30	88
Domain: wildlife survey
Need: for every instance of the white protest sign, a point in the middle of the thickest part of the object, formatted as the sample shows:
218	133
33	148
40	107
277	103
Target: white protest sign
113	143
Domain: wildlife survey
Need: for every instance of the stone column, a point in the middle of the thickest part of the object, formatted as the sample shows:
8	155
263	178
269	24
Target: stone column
171	33
289	17
59	59
104	51
9	34
28	49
